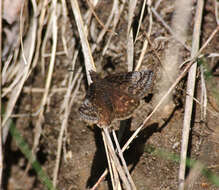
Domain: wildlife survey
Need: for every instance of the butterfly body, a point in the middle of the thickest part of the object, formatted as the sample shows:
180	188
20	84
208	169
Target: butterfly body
115	96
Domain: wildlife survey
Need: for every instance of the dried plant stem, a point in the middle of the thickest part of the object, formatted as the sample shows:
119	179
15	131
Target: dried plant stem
63	29
27	89
22	75
123	161
104	30
130	41
168	28
130	51
115	160
141	17
117	13
68	105
38	128
179	78
216	6
23	68
39	36
100	179
89	63
145	45
109	162
190	91
97	18
204	99
1	152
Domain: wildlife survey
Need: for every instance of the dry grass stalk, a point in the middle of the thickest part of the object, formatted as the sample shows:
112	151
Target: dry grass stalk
23	70
116	162
27	89
1	152
89	63
130	51
115	167
39	36
63	29
141	17
190	91
68	104
169	28
172	54
97	18
145	45
123	161
117	12
183	73
38	128
130	41
107	25
113	173
216	5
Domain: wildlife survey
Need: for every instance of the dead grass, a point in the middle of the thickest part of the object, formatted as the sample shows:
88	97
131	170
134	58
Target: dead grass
44	40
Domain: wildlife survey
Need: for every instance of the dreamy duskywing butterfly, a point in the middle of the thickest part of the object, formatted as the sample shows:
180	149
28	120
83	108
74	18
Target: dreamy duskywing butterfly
115	96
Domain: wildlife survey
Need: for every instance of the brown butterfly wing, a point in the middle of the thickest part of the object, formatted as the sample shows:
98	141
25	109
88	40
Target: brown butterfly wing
115	96
97	106
123	104
136	84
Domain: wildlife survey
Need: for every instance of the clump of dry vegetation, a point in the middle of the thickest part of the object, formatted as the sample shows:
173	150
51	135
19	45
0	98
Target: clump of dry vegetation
48	50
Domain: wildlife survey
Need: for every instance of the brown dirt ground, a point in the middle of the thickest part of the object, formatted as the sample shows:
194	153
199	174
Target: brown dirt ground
84	159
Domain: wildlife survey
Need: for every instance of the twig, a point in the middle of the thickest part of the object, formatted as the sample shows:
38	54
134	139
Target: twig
117	13
170	71
22	73
216	6
45	39
130	51
68	106
190	90
89	63
63	28
145	45
123	161
1	147
204	98
140	20
115	160
168	28
27	53
192	60
38	127
103	31
27	89
183	73
97	18
112	174
130	42
132	5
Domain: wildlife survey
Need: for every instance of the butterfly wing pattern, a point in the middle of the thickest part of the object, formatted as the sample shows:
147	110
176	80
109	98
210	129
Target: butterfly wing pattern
115	96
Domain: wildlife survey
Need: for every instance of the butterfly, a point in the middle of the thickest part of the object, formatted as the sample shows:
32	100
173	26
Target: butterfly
115	96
